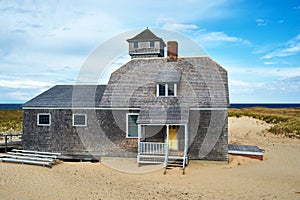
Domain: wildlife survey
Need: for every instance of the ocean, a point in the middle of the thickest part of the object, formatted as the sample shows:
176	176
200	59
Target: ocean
10	106
16	106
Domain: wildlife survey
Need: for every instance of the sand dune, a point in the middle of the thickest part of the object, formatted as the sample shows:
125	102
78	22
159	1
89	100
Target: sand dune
277	177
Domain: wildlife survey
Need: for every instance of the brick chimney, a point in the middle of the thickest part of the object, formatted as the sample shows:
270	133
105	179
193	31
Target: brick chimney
172	50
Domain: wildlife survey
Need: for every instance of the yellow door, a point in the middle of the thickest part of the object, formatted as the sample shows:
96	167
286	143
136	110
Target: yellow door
173	141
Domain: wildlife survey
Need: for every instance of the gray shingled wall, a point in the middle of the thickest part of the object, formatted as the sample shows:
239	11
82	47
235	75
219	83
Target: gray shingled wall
105	134
101	137
208	135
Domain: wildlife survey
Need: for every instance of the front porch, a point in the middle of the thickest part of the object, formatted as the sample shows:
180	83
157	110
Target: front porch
163	144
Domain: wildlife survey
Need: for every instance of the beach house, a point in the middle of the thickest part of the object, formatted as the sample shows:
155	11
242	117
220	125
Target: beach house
155	108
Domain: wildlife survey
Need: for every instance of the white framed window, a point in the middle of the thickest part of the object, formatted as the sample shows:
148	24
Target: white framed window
135	45
79	119
166	90
43	119
131	125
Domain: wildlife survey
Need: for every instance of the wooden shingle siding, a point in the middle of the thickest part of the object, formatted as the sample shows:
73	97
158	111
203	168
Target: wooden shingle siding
208	135
203	83
105	134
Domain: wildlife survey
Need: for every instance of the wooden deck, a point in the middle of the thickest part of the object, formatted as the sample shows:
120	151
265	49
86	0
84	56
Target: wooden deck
246	150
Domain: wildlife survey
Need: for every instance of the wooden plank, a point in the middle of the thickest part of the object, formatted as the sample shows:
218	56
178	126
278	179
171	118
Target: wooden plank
32	155
30	158
36	152
26	161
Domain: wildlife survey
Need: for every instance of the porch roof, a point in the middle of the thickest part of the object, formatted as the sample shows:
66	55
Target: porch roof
163	114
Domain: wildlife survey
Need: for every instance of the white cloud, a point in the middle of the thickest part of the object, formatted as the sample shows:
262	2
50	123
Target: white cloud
289	48
240	86
262	22
173	24
213	37
181	27
270	63
261	73
280	90
24	84
20	96
290	85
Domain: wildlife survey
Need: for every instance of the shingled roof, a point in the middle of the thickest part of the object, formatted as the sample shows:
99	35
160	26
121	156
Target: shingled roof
202	83
68	96
146	35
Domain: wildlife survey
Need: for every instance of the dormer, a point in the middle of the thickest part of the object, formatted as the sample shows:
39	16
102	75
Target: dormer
146	44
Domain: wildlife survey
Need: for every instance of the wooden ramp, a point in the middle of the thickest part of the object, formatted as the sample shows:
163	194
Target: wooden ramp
246	150
47	159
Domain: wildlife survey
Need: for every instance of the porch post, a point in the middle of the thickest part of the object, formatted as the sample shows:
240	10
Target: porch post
139	136
167	135
186	139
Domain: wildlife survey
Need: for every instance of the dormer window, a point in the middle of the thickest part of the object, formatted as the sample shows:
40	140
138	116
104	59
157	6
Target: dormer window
166	89
135	45
151	44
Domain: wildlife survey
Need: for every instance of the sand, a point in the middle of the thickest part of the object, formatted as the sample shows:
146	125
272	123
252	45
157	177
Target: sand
276	177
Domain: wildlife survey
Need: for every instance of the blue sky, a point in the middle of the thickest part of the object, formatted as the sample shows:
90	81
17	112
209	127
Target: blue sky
43	43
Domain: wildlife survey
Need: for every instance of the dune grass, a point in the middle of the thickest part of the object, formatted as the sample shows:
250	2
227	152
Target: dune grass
286	121
10	120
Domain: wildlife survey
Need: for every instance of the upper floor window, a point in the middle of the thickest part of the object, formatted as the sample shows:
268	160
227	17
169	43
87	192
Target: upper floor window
151	43
166	89
135	45
44	119
79	119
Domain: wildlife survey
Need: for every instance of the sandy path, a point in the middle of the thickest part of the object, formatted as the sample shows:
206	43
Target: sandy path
278	176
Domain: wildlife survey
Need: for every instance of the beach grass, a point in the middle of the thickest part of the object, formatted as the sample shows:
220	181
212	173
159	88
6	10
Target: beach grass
286	121
10	120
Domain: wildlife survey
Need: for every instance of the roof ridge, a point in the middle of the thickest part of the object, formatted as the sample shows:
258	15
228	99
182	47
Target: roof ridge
146	34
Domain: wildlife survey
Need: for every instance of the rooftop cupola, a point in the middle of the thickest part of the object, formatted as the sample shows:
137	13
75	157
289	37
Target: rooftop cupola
146	44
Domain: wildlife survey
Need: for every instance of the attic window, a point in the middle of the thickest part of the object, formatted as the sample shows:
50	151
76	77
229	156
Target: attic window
44	119
151	44
166	89
135	45
79	119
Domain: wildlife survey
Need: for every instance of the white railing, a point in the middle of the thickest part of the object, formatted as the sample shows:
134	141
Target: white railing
152	148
